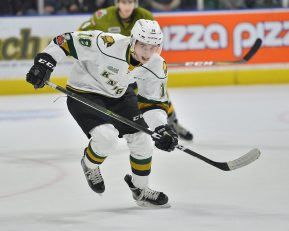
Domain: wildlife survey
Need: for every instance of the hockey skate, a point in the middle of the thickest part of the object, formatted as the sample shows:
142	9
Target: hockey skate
147	197
181	131
93	177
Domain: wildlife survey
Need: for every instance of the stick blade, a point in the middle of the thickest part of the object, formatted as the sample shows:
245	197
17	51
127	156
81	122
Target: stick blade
253	50
244	160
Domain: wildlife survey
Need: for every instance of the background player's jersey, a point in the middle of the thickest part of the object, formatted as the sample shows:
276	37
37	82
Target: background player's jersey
104	65
108	20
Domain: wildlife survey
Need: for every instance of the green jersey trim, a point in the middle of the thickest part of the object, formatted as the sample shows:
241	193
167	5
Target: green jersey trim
71	47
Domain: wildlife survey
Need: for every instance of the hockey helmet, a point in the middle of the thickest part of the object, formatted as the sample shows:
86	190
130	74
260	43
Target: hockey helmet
146	31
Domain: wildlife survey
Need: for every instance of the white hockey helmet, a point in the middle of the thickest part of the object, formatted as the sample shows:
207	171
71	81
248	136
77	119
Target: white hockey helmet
146	31
135	6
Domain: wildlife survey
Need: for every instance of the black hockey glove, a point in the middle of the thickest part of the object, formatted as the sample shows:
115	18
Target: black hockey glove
168	140
41	70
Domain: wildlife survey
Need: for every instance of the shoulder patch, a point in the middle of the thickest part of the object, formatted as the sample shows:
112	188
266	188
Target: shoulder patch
108	40
100	13
60	39
65	42
165	67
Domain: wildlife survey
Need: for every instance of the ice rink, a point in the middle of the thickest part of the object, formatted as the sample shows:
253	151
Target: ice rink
43	188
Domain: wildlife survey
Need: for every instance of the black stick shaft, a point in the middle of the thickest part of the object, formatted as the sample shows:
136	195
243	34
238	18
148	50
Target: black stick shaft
221	165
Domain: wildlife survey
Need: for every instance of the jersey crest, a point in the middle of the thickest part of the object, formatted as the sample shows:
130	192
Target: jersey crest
108	40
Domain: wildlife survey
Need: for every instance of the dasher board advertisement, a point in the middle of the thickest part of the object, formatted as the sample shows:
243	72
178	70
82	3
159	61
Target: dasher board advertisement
226	35
188	36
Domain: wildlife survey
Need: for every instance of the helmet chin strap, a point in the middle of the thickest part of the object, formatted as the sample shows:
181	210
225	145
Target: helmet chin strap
132	43
133	54
132	46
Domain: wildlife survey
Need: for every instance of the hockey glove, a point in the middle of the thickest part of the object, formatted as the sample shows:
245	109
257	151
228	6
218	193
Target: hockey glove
41	70
168	140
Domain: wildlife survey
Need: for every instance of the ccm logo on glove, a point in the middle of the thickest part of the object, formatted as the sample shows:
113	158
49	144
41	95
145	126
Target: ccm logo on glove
46	63
40	72
167	139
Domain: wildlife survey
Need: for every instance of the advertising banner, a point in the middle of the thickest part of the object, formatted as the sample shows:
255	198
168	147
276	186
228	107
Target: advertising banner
226	35
188	36
21	38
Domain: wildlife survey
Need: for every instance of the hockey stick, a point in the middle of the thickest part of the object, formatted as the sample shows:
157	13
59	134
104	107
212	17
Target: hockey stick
253	50
225	166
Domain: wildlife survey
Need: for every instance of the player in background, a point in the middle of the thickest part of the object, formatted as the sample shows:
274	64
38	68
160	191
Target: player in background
120	19
107	64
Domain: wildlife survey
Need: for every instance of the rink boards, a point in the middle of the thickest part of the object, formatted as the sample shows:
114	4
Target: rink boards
177	78
188	36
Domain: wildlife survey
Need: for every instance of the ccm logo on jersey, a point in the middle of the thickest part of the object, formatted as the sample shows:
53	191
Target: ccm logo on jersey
135	118
46	63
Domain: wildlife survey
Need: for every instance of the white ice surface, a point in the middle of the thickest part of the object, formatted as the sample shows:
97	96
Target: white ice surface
42	186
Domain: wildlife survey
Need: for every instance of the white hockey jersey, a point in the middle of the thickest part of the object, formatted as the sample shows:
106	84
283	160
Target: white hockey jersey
103	65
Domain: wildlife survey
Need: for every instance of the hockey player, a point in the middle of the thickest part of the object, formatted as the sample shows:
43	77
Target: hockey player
108	63
120	19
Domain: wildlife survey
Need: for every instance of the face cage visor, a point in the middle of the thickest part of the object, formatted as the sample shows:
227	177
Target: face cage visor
133	42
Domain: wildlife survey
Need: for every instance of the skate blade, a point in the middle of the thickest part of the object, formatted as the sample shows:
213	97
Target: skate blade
145	204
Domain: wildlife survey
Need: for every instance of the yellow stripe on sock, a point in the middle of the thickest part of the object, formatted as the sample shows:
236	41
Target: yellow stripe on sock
92	156
140	167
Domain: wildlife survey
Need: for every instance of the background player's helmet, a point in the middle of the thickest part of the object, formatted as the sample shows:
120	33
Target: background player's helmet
146	31
135	6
